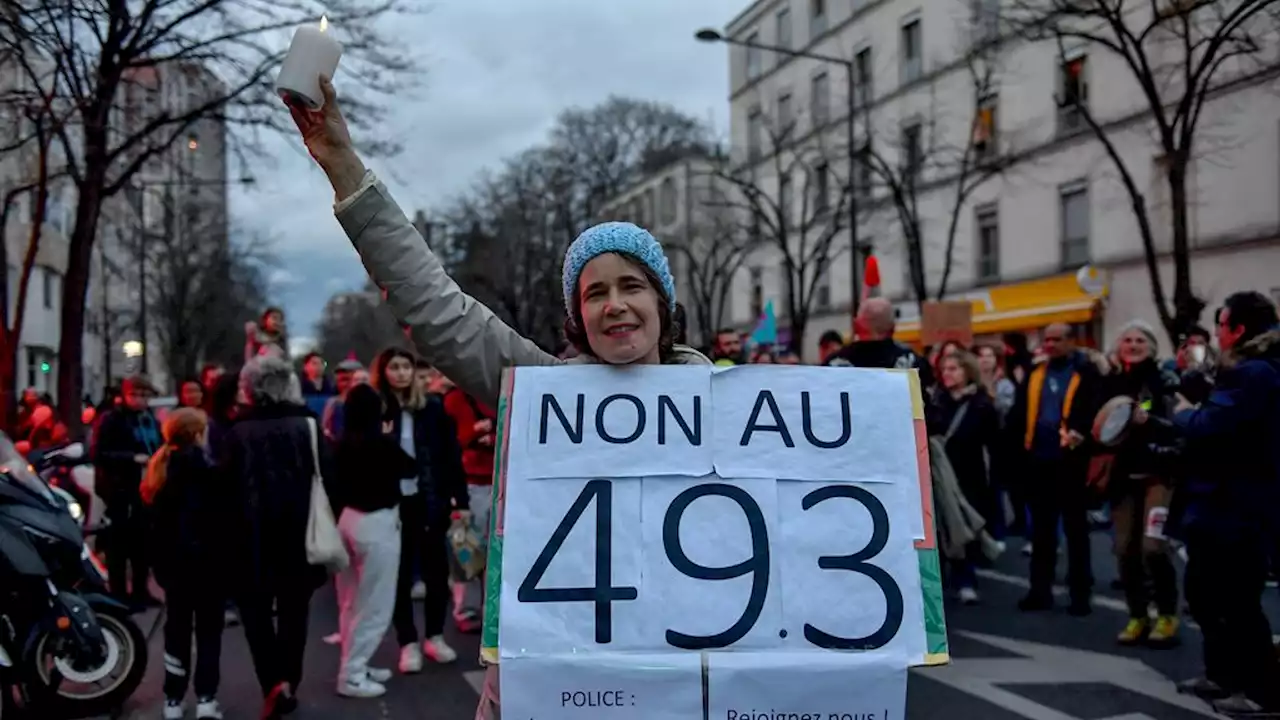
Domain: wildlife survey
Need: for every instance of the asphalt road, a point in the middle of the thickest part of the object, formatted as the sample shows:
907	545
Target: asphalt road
1006	666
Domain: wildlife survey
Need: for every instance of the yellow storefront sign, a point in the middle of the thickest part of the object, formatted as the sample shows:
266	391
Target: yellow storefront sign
1023	306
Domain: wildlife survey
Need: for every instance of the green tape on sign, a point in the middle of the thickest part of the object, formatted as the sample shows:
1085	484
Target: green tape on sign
935	621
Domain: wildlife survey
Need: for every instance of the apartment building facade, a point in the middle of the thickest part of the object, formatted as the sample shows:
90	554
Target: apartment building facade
38	343
176	203
686	205
1022	235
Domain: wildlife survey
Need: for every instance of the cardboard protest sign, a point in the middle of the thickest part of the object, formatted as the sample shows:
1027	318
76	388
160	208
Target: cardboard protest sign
694	542
947	321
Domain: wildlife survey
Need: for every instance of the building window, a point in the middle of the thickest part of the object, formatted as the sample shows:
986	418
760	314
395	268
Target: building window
863	88
820	99
784	28
864	179
755	134
911	51
985	129
822	289
984	18
912	149
821	188
637	212
1073	93
757	292
753	56
988	244
49	280
786	115
786	199
1074	201
817	18
33	362
667	201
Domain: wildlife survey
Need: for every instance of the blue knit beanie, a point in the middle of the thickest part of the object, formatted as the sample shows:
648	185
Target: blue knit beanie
615	237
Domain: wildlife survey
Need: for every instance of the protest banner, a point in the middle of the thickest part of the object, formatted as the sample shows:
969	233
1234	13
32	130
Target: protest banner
749	543
950	321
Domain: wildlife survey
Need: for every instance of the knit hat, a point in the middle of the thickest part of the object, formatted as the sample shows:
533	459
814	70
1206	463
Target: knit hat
1145	328
615	237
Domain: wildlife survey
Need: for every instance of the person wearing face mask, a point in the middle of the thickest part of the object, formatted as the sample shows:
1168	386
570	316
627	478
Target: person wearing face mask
1139	490
429	495
619	292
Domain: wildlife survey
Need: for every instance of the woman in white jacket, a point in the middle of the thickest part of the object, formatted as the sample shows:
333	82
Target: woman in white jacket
619	293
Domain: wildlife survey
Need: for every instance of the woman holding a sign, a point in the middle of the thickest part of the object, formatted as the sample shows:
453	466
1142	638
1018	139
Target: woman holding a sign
619	293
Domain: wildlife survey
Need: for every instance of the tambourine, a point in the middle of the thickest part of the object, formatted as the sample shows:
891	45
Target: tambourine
1112	423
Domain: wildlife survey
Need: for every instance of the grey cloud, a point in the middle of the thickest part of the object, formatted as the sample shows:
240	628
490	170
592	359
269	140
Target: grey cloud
497	72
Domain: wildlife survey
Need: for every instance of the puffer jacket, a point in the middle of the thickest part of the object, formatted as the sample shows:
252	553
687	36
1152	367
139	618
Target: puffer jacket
451	329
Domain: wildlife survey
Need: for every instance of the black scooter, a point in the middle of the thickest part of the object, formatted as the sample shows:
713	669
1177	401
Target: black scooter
75	651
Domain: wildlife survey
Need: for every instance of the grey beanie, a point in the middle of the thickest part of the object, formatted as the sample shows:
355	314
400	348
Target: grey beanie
1145	328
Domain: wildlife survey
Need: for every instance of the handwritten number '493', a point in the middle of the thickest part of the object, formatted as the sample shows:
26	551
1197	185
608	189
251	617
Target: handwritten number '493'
603	594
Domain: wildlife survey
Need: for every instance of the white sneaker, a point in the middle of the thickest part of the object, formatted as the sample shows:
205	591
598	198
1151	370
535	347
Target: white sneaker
410	659
208	709
364	688
378	675
333	639
1026	549
419	591
174	710
968	596
438	650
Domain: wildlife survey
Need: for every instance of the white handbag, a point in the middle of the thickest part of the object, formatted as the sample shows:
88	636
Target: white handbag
324	542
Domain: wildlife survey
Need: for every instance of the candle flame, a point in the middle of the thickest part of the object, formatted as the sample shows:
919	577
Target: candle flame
324	23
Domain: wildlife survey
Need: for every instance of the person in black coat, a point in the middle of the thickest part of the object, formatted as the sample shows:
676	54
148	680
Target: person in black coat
424	430
1139	488
1050	421
965	417
122	446
267	457
187	503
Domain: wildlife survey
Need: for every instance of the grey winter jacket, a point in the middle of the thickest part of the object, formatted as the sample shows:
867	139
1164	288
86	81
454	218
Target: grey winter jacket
453	331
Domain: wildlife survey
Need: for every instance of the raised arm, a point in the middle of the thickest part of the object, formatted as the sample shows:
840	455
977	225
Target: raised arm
451	329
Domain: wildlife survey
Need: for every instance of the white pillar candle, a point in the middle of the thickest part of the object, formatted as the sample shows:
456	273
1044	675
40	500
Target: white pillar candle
312	53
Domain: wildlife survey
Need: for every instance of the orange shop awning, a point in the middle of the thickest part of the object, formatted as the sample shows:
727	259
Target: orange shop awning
1018	306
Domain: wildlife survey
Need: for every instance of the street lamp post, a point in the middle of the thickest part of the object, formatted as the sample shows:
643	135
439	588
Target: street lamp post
712	35
169	221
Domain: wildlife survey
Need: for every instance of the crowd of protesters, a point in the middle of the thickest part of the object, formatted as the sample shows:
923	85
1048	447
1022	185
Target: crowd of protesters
212	498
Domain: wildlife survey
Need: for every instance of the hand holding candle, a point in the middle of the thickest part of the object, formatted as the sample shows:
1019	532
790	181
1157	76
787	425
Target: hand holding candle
312	53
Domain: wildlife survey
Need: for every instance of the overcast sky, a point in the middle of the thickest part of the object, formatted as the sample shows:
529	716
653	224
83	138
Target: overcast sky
496	74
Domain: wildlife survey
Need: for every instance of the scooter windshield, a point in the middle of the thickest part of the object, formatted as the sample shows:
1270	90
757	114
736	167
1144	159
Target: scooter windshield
15	469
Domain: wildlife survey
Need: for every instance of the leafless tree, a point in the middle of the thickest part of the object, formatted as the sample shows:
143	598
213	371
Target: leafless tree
1179	54
924	154
356	324
113	61
29	118
506	236
789	197
201	288
714	251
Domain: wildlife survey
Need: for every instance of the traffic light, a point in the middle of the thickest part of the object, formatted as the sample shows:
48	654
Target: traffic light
45	367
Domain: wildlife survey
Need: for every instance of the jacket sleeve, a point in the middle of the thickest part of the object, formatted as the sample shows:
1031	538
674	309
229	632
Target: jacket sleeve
107	451
1236	401
464	419
451	329
1089	400
448	466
